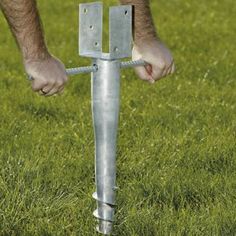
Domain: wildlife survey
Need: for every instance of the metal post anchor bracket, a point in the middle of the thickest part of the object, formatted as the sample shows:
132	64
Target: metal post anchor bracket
90	31
105	89
105	96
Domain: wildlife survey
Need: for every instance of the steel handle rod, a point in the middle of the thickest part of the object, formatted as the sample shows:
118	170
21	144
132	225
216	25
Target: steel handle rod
128	64
94	68
81	70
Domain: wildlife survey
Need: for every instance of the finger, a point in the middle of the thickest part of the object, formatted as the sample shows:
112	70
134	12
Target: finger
42	93
172	69
61	91
47	89
52	92
65	79
165	72
143	74
169	70
38	84
148	68
157	73
57	87
149	71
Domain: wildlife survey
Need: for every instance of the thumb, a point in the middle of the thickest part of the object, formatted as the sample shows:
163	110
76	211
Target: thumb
144	73
38	84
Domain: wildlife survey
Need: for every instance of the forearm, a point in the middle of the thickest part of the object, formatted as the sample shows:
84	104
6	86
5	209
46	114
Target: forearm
24	22
144	28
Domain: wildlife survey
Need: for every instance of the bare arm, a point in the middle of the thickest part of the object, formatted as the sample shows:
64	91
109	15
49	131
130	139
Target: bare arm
24	22
147	44
143	24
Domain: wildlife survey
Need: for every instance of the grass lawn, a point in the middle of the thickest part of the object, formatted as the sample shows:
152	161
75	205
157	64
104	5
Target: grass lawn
176	149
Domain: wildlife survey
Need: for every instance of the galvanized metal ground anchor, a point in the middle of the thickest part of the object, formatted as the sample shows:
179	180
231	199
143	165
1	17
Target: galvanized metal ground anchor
105	89
105	81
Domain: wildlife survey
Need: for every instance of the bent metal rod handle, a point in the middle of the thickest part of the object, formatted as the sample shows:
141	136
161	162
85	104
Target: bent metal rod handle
94	68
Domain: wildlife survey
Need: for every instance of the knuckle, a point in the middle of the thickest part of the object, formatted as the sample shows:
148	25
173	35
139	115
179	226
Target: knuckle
52	84
162	65
60	83
172	69
49	94
65	79
168	71
41	82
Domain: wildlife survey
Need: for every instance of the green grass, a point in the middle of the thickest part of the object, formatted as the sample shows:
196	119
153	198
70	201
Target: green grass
176	148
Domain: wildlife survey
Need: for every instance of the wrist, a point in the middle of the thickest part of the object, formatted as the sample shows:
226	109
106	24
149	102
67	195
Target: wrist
143	41
35	54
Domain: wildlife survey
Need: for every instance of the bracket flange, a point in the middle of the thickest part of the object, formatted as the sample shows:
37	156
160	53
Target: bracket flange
90	31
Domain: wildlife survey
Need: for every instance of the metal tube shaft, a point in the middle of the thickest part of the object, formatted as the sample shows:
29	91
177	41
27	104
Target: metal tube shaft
105	107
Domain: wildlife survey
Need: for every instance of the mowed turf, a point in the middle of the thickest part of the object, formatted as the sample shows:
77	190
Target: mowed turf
176	158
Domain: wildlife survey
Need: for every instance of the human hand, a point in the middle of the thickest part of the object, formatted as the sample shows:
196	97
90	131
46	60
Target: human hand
49	75
159	59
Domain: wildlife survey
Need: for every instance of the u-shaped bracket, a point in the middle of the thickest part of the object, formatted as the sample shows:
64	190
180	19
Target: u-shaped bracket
91	28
